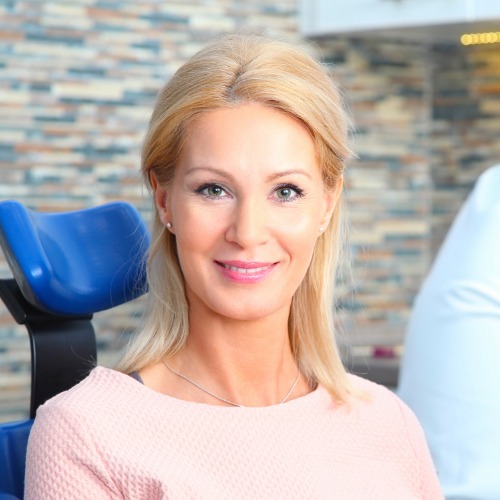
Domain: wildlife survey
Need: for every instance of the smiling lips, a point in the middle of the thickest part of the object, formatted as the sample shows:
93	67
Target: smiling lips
245	272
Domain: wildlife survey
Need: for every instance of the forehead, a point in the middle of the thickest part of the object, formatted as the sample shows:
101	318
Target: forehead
248	135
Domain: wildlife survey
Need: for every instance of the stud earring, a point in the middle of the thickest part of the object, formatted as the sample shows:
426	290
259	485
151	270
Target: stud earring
321	229
169	225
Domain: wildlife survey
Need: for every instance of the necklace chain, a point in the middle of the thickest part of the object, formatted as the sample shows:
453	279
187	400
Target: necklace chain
228	401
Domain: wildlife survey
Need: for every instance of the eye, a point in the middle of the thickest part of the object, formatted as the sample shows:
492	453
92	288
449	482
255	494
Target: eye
288	192
212	191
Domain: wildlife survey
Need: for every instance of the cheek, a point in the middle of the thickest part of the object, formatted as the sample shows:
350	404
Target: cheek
304	248
191	255
197	232
301	223
298	236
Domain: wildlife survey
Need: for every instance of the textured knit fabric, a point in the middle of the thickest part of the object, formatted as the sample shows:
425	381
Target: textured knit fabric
111	437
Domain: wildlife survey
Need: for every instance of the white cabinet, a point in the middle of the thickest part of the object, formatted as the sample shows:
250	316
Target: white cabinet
486	10
322	17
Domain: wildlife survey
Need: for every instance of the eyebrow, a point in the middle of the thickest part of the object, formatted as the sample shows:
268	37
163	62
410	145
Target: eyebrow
228	175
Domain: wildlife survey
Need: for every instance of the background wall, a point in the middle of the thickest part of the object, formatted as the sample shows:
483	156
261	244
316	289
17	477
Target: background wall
77	83
465	126
428	123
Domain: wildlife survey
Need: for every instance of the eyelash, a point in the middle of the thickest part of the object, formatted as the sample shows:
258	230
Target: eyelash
299	193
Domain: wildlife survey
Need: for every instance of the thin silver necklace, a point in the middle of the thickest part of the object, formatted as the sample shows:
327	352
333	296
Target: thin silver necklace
228	401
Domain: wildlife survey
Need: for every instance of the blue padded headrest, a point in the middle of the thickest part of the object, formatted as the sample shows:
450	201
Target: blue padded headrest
77	262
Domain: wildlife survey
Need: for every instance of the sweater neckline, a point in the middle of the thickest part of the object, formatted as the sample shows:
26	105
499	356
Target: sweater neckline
128	383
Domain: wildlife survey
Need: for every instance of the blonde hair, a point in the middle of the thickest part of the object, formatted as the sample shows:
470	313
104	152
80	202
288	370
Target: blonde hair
233	70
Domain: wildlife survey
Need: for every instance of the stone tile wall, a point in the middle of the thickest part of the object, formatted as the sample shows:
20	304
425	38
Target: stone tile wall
428	123
465	126
77	83
388	185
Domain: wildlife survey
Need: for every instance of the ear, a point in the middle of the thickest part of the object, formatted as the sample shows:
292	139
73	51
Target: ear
161	200
331	198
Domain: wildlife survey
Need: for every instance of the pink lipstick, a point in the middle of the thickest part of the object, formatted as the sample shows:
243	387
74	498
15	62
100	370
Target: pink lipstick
245	272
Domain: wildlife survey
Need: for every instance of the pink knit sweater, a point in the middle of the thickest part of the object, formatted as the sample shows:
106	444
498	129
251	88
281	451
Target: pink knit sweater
112	437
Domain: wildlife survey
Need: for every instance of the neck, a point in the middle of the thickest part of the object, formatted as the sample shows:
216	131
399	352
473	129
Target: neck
249	362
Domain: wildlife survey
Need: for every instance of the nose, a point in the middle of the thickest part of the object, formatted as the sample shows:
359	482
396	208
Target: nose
249	224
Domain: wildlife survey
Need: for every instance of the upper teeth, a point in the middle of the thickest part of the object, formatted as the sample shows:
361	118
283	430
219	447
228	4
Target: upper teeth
245	270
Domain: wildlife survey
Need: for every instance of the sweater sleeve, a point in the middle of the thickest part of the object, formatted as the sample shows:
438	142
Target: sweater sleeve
62	460
430	487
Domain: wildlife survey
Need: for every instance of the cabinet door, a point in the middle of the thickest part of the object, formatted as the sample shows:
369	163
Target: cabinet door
487	10
338	16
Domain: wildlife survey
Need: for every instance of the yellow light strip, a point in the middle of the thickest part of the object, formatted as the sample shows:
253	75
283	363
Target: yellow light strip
479	38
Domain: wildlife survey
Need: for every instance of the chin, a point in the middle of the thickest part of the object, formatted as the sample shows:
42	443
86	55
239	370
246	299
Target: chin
247	315
250	312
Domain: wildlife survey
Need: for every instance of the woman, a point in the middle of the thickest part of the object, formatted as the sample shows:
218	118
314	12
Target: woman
234	387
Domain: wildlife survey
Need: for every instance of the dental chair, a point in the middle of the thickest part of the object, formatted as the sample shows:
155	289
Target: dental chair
66	267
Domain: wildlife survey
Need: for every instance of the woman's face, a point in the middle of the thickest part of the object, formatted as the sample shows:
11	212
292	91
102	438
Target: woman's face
246	205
